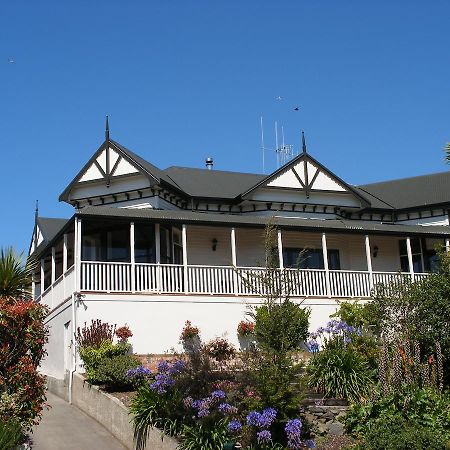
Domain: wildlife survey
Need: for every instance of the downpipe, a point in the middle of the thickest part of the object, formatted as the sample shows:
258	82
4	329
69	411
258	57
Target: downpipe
74	349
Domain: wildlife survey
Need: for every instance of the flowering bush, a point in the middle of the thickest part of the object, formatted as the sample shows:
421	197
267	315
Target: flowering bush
124	333
95	334
22	339
245	328
338	370
189	331
220	349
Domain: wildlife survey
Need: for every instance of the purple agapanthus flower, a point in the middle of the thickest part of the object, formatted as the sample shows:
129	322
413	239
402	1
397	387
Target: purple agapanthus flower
163	367
226	408
313	346
138	372
218	394
234	426
264	437
177	367
253	418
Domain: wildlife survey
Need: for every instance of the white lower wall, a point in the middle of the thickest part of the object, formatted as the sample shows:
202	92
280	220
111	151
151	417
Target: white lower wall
58	346
157	321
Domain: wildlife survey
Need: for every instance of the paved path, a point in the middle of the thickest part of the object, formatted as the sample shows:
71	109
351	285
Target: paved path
65	427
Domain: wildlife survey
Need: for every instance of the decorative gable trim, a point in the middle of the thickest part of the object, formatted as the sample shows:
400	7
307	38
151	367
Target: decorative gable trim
307	174
108	161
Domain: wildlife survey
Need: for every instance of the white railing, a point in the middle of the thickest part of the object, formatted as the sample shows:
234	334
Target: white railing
60	290
226	280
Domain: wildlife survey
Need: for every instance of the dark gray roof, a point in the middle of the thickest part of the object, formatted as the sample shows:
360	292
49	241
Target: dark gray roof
212	183
190	217
50	227
149	168
412	192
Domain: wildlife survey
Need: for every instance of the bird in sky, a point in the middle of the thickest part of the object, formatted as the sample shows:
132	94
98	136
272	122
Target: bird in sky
11	61
278	97
297	108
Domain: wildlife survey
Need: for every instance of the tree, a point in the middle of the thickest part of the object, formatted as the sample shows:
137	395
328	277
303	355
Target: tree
447	153
15	275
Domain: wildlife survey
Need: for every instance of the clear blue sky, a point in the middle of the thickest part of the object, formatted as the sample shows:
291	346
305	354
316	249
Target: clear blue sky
182	80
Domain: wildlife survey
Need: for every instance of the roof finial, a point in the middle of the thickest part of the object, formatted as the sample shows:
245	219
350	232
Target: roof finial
107	129
36	211
36	215
303	142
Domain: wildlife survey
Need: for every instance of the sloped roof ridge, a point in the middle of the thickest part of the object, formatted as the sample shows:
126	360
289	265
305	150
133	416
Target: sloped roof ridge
214	170
395	180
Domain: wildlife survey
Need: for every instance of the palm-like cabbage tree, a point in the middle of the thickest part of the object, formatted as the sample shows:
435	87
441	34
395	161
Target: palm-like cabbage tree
447	153
15	275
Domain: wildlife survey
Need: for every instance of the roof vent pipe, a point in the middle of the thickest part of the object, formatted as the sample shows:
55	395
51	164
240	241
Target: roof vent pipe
209	163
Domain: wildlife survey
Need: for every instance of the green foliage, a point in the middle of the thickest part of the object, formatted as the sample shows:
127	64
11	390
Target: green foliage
421	407
111	371
151	410
398	434
22	339
199	436
354	313
281	327
15	276
10	434
338	371
419	310
108	363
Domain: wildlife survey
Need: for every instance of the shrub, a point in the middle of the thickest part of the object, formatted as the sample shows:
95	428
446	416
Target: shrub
245	328
93	356
22	339
203	437
124	333
399	434
339	372
281	327
95	334
422	407
189	331
10	434
220	349
112	372
419	310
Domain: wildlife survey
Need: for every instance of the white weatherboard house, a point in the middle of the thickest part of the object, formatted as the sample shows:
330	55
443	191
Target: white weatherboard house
153	248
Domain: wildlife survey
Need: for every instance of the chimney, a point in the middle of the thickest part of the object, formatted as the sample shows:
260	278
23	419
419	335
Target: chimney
209	163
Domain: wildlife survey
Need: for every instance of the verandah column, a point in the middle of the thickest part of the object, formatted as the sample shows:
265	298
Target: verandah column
447	245
77	255
369	260
325	264
185	261
132	259
234	260
410	258
158	256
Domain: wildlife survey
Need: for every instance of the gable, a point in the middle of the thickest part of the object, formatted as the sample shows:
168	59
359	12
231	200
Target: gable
305	180
109	165
308	178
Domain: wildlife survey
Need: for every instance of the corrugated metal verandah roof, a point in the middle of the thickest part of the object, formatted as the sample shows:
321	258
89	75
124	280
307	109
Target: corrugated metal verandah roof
190	217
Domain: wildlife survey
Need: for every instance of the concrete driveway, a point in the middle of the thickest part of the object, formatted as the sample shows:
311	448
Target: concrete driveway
66	427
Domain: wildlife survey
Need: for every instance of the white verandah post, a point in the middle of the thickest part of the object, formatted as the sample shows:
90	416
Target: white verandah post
369	260
447	245
64	263
132	259
42	276
234	260
77	255
158	256
185	260
325	264
410	258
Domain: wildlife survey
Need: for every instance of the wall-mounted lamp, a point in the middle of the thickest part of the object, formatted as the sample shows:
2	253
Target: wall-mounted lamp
375	251
214	244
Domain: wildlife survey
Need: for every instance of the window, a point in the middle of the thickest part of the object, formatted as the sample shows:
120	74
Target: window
310	258
58	259
416	250
104	241
165	239
177	246
144	243
70	247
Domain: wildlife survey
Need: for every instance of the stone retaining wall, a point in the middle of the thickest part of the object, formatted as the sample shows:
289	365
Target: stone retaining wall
108	411
325	419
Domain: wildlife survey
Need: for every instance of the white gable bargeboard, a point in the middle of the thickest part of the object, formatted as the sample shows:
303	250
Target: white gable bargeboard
116	166
317	179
